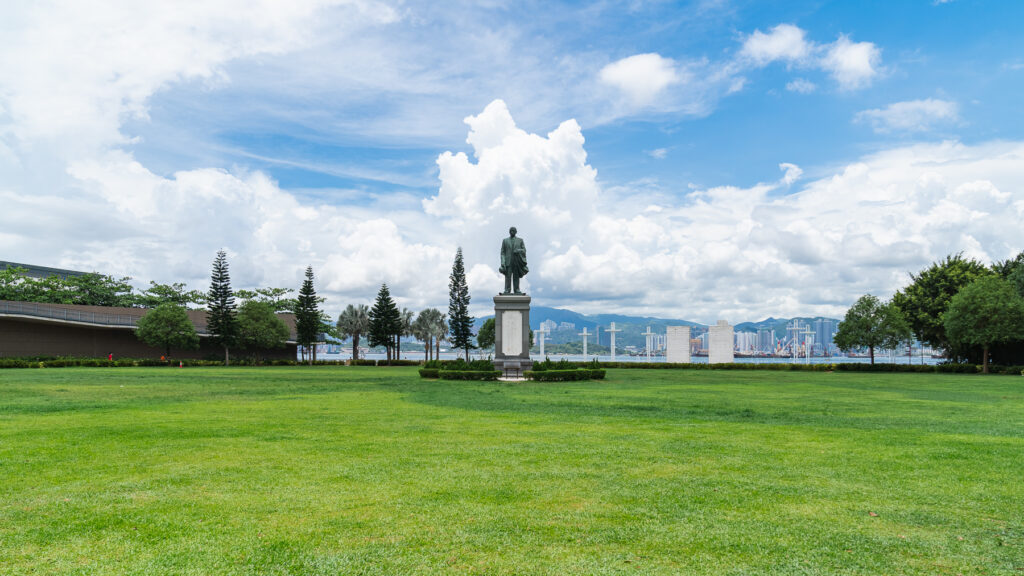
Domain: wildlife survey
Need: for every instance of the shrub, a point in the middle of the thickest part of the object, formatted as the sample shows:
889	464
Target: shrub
469	374
429	372
548	375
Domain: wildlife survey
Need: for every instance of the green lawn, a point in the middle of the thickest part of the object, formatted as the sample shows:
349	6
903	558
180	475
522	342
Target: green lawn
332	470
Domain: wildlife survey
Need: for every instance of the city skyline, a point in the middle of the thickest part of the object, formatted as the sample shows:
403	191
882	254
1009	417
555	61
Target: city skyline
704	160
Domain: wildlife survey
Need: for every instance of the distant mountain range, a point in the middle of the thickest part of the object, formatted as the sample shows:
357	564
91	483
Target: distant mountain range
539	314
632	326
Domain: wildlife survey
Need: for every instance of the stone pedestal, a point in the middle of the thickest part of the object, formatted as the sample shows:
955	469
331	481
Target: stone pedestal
720	343
678	344
512	333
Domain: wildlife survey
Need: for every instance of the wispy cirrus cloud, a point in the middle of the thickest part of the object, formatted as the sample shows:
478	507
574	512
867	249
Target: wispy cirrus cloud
910	116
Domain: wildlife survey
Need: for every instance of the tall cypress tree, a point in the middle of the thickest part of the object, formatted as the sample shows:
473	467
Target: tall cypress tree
385	321
460	323
307	315
221	320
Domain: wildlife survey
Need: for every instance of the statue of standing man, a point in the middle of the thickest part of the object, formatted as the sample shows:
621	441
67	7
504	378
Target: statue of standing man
513	261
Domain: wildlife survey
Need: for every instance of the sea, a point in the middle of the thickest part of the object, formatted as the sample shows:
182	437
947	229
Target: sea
879	358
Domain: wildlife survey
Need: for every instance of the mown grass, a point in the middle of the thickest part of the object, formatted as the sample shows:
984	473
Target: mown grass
374	471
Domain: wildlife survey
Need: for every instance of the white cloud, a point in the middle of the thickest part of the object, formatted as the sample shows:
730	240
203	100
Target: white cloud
642	78
792	173
910	116
801	86
658	153
852	64
784	42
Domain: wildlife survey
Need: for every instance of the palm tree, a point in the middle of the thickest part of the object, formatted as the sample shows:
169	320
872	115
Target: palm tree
354	321
440	333
421	330
404	329
433	326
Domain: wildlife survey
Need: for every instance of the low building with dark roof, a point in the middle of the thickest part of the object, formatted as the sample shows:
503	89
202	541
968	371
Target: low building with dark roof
35	329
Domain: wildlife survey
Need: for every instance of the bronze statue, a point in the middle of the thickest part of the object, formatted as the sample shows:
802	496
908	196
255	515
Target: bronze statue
513	261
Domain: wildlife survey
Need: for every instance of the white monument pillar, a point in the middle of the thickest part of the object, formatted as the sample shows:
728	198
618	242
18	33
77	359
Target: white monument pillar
808	343
612	330
678	344
648	334
541	333
585	336
792	328
720	343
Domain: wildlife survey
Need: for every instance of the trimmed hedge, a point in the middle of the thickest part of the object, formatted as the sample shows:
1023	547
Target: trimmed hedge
429	373
565	375
460	364
468	374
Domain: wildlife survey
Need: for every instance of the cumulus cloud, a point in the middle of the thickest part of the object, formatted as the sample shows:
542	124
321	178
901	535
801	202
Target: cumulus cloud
853	64
728	251
658	153
642	78
910	116
784	42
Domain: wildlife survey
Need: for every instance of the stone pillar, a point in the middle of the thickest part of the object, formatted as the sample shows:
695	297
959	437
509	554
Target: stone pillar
512	332
678	339
720	343
612	330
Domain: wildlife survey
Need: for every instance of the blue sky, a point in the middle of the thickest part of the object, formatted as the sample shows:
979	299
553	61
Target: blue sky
704	160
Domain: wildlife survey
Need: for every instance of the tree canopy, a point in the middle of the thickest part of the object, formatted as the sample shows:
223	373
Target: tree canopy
460	323
307	315
168	326
985	313
353	322
221	320
485	336
385	321
872	324
259	327
925	300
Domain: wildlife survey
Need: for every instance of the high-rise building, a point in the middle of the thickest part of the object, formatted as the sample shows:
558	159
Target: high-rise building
548	325
824	332
765	340
746	342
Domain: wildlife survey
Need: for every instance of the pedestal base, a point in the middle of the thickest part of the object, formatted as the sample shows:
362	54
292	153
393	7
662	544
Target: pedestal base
512	333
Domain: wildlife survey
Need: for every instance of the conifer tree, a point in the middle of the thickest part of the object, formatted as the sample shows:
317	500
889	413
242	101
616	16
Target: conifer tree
307	315
221	321
460	323
385	321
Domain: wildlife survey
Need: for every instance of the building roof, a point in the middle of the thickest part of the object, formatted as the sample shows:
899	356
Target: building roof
41	271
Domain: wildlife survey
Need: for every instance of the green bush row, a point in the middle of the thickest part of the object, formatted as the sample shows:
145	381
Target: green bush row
468	374
460	364
565	375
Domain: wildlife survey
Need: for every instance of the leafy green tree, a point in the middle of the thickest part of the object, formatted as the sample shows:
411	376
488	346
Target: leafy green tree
871	324
384	321
259	327
460	323
221	319
168	326
308	319
485	336
276	297
12	283
98	290
925	300
353	322
985	313
175	293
